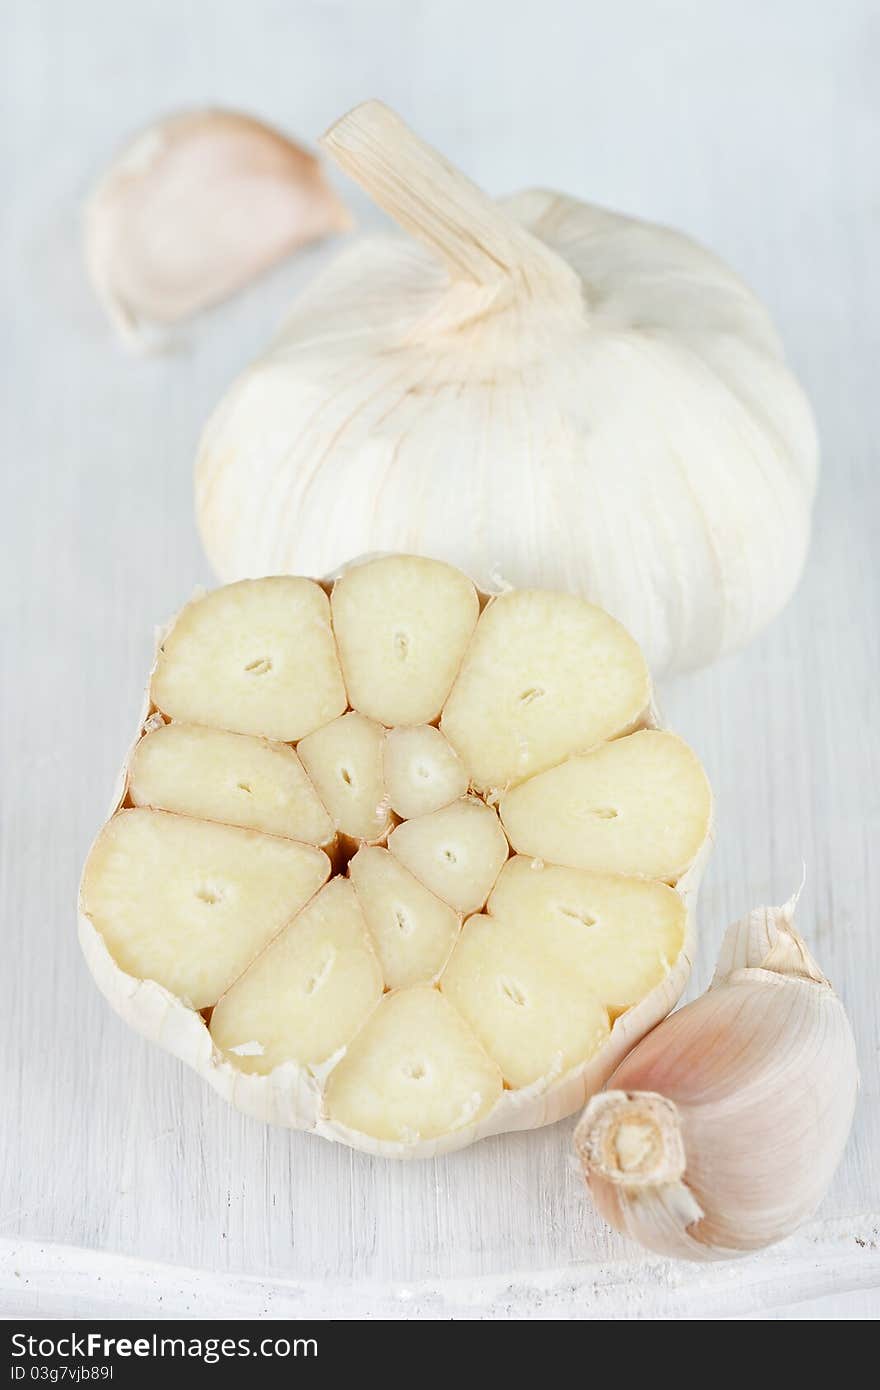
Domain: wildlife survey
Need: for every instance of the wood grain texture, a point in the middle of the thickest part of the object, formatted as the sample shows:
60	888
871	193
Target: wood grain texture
755	129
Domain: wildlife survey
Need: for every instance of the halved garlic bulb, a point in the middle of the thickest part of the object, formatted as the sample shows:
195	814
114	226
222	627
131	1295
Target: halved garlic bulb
721	1131
383	929
196	206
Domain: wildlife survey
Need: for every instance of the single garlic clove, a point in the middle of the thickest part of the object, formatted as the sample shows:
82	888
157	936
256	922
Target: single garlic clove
413	930
550	696
457	853
232	778
620	932
344	761
310	991
423	772
234	659
721	1131
402	624
598	810
534	1013
415	1069
194	208
191	903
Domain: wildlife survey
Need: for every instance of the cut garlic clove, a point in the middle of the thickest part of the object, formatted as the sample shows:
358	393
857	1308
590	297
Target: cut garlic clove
637	805
309	992
456	852
721	1130
546	675
415	1071
233	778
412	929
235	660
194	208
344	761
534	1012
422	771
190	904
402	624
621	933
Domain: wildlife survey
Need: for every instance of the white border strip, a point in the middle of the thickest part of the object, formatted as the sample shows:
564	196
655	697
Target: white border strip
829	1273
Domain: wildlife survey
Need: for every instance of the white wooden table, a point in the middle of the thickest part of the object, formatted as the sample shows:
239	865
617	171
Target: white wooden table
125	1186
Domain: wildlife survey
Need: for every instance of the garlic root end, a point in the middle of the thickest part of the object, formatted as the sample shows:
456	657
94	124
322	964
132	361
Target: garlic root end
631	1138
632	1152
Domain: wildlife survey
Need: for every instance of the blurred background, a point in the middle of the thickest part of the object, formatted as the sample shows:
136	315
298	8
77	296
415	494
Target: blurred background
752	127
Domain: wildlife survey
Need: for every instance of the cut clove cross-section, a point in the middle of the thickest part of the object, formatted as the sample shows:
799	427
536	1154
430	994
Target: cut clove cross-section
188	903
396	862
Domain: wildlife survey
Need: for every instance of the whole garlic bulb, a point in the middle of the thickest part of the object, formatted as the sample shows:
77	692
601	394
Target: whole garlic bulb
535	390
721	1130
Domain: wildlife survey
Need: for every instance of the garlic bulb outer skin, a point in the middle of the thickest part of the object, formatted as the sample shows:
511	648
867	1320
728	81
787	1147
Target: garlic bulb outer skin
196	206
535	390
292	1095
720	1132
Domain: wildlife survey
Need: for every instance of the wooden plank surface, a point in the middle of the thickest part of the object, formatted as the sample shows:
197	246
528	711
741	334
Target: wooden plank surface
754	128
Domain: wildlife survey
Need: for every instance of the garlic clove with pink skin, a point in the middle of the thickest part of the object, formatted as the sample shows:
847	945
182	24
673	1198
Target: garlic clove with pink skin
720	1132
195	207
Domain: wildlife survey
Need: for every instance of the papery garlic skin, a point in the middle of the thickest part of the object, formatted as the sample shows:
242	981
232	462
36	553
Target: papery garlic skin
720	1133
196	206
542	392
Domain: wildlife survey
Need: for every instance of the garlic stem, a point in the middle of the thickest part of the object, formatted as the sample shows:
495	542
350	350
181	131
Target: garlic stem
477	241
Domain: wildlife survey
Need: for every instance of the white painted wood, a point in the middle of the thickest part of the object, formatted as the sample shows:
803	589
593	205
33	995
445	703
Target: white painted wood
815	1275
754	127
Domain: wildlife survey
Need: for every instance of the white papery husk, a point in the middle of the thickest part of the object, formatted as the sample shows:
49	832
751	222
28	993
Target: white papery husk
292	1095
542	390
748	1095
